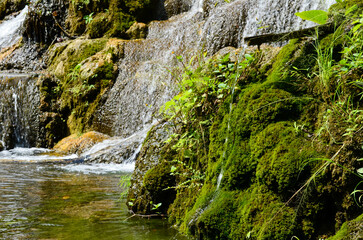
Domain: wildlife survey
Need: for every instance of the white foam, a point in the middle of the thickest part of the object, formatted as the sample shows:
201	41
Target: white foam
32	155
10	30
100	168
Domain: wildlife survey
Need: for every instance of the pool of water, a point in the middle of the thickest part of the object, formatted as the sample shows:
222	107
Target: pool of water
44	200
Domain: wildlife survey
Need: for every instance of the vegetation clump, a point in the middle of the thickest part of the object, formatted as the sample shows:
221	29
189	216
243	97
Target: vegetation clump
111	18
259	149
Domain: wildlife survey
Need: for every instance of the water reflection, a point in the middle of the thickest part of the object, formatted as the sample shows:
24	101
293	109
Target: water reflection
46	201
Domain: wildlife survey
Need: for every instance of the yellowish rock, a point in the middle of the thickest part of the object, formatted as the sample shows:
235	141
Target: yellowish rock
79	144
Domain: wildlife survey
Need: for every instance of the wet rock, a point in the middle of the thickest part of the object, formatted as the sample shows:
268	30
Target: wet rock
19	112
117	149
137	30
174	7
148	159
10	6
2	147
79	144
22	57
45	21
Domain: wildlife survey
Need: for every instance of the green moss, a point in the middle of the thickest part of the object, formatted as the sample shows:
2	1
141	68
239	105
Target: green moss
282	155
216	219
156	181
109	18
350	230
262	215
280	65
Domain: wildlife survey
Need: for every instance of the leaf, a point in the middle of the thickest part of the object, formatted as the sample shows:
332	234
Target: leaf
351	9
65	197
222	85
156	206
248	57
173	169
316	16
360	171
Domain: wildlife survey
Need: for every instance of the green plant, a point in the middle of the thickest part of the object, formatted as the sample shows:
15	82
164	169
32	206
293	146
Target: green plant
124	184
202	90
155	206
325	63
316	16
88	18
189	176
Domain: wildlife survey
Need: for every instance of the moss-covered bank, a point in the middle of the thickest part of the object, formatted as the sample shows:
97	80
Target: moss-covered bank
274	158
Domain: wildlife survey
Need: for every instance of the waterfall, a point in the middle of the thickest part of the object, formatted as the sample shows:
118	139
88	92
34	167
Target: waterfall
19	111
146	72
10	31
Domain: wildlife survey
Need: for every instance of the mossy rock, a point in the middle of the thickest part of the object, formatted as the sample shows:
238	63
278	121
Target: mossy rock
282	155
255	213
137	31
108	18
86	70
156	182
65	56
74	144
352	230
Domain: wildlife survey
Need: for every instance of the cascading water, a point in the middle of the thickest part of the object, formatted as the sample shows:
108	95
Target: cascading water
144	82
10	31
19	111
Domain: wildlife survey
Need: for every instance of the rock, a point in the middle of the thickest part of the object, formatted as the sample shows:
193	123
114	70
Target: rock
44	20
79	144
2	147
175	7
137	30
151	172
10	6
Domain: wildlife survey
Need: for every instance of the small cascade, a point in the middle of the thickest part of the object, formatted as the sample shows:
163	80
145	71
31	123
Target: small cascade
145	81
10	31
19	111
118	150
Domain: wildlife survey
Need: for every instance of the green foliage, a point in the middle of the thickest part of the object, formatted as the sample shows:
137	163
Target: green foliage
316	16
201	91
88	18
188	176
124	184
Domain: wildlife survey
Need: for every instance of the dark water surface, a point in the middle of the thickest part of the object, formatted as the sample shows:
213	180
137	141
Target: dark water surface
50	201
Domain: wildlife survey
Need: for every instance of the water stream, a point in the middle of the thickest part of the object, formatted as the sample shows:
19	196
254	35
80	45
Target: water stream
56	201
10	31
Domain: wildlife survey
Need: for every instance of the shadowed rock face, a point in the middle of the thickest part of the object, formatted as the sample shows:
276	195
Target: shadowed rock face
11	6
19	112
40	26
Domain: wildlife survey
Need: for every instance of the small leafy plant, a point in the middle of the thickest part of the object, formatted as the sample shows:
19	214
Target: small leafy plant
88	18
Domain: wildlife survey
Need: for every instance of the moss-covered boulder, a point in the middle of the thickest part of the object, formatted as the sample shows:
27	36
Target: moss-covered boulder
108	18
151	179
82	71
279	157
79	144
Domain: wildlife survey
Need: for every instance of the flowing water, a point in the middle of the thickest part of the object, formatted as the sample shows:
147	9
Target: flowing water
10	31
47	200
